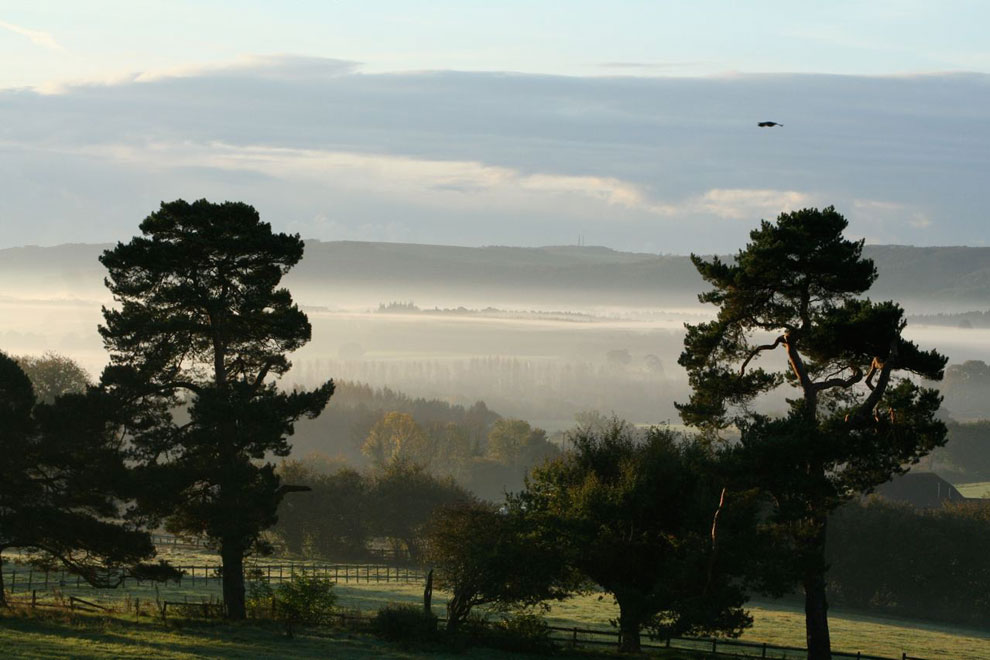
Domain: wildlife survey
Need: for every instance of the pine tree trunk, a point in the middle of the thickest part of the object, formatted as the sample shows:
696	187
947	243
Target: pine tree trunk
233	581
815	602
629	629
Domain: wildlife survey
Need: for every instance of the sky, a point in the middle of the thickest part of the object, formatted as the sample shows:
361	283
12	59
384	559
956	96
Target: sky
625	124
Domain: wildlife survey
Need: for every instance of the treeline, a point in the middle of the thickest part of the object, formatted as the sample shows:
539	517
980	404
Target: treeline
966	388
965	458
529	388
891	558
964	320
372	428
350	515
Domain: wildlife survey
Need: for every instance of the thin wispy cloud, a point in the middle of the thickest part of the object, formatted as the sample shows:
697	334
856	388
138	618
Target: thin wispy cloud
37	37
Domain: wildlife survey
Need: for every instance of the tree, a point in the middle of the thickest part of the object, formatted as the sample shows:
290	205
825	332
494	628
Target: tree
332	519
397	437
53	375
635	516
484	556
515	442
793	289
200	321
403	499
64	478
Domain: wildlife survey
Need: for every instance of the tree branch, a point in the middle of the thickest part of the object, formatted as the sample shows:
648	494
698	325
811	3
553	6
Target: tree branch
886	367
260	379
855	377
759	349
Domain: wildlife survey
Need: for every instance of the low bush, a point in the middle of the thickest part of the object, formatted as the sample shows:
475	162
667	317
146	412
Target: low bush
405	623
302	601
518	633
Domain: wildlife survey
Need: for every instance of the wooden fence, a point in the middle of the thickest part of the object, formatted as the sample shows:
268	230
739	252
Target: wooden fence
206	575
573	637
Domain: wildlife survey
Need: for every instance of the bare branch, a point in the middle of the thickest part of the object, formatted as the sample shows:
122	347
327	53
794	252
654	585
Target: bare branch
874	367
855	377
759	349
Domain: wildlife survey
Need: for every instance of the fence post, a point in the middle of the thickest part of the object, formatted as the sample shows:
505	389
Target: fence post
34	598
137	609
574	638
714	645
764	650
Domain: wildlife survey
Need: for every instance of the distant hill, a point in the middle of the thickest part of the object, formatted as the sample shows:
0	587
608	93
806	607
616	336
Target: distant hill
926	278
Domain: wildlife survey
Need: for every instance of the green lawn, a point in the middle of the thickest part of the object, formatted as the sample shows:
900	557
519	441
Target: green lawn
90	636
775	623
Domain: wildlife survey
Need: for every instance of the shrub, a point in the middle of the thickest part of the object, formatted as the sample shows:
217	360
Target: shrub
303	600
522	632
399	622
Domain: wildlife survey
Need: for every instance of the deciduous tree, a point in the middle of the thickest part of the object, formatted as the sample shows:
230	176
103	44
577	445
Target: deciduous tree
500	558
635	516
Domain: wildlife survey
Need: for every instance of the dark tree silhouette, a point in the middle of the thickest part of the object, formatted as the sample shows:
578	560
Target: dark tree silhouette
484	556
793	291
199	315
63	478
634	516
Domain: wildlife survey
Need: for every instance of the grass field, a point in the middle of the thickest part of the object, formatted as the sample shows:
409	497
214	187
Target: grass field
975	489
86	638
776	623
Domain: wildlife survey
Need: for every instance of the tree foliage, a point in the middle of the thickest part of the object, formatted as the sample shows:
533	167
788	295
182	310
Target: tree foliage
793	291
931	564
515	442
200	319
487	556
64	479
403	498
635	516
53	375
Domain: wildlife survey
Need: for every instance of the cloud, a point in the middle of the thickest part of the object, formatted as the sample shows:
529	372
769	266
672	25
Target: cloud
382	174
747	204
286	68
37	37
486	158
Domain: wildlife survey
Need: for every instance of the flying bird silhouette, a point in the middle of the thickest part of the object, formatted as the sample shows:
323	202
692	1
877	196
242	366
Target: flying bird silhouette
769	124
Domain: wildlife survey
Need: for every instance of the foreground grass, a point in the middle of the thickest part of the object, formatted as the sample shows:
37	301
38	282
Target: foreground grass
773	622
87	637
776	623
84	637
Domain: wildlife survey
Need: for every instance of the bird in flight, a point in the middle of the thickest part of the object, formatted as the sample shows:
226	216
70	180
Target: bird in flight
769	124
